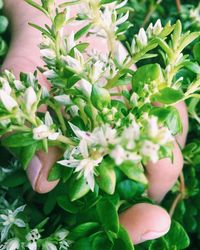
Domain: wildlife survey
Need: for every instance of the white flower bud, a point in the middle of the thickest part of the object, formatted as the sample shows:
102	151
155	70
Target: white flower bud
8	102
13	244
49	74
49	246
30	98
142	37
48	53
61	234
63	99
157	27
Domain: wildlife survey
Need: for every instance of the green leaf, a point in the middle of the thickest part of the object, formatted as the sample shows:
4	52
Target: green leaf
83	230
173	121
167	96
160	244
19	139
145	75
107	177
82	244
64	202
100	97
196	52
194	67
129	189
101	242
55	173
177	236
78	188
27	154
82	31
15	179
108	215
134	171
123	240
3	24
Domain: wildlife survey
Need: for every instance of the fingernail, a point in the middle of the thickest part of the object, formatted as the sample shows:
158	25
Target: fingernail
33	170
153	235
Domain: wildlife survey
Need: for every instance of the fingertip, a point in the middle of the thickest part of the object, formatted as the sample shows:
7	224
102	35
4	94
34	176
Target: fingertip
145	222
39	168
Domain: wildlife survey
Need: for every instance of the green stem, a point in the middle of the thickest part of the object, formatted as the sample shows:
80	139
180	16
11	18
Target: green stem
66	140
58	112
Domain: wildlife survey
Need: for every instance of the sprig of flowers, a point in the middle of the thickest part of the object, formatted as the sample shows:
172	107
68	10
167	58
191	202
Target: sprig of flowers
90	113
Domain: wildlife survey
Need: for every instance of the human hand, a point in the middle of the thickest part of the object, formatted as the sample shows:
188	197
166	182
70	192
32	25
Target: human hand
143	221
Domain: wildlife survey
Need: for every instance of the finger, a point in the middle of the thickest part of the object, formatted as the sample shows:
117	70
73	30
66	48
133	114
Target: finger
182	108
145	222
39	169
163	175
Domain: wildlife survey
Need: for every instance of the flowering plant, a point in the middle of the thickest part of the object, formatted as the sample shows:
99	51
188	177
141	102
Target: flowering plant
107	118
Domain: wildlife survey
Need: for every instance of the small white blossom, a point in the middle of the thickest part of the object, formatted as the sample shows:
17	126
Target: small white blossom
96	71
77	62
150	150
33	235
61	234
32	245
45	131
120	155
8	102
85	166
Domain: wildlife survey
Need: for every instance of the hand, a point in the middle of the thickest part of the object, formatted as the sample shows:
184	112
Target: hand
143	221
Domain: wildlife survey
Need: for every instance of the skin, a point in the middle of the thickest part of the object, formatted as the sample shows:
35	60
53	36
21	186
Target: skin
143	221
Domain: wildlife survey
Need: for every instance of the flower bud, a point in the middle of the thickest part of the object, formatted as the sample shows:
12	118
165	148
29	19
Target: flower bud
13	244
60	20
8	102
100	97
29	98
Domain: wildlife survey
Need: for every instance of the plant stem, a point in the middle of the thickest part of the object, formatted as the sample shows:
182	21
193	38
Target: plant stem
180	196
66	140
178	5
58	112
150	12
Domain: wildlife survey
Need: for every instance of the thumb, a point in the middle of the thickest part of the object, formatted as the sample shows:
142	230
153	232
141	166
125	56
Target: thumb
39	168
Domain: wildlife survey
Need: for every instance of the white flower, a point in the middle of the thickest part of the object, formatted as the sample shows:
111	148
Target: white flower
30	98
8	102
85	166
142	37
164	136
149	30
13	244
33	235
105	135
134	98
120	155
96	71
45	131
150	150
77	62
64	245
153	126
122	4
